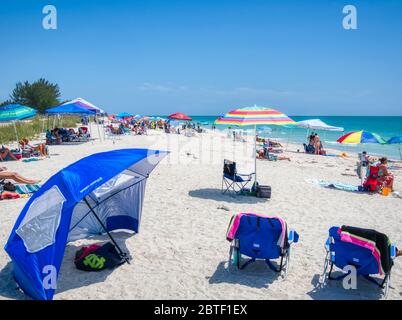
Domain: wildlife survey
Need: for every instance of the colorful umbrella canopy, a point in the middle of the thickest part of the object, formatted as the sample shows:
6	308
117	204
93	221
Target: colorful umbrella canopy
180	116
395	140
14	112
84	104
357	137
124	115
252	116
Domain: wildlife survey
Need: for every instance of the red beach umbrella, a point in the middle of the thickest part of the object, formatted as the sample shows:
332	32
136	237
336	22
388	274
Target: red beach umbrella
179	116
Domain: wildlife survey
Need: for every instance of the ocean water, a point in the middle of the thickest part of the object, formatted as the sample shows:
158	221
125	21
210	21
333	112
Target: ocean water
386	127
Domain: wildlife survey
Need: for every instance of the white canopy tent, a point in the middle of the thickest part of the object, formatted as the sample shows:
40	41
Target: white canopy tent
317	124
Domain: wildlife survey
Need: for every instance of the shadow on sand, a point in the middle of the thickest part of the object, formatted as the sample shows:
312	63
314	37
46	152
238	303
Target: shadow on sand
256	275
216	194
334	290
69	276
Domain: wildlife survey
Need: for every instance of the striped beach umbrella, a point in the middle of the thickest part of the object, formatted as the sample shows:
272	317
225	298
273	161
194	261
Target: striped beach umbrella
362	136
255	116
13	112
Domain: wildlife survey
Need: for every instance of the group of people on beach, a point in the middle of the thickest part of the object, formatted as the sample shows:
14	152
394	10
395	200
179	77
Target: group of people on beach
314	145
377	175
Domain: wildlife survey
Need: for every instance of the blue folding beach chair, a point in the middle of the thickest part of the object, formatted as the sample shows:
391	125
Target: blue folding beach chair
368	251
232	181
260	237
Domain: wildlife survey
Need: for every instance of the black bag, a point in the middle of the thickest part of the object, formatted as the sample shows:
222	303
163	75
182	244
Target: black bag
8	186
105	257
264	191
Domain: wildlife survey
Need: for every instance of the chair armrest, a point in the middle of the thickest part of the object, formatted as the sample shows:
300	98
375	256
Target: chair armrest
246	175
293	236
327	243
393	251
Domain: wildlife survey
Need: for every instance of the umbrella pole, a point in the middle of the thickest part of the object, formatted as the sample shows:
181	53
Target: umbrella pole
15	130
97	125
122	254
254	154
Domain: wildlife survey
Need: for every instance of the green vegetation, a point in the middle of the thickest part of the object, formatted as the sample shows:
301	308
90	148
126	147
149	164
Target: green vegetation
31	128
39	95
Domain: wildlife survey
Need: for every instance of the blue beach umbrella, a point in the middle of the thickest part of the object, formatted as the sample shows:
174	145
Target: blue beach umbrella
122	115
396	140
95	195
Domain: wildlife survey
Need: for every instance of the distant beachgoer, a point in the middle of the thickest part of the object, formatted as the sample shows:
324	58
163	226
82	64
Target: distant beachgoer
317	143
6	154
385	177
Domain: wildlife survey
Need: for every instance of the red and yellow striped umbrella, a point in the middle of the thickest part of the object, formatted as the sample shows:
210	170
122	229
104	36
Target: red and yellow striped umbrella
361	137
252	116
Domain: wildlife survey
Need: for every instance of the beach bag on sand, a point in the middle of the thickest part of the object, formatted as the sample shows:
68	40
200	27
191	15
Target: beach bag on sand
7	186
97	258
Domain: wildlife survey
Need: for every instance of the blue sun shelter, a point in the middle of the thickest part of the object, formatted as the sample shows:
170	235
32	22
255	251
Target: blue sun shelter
95	195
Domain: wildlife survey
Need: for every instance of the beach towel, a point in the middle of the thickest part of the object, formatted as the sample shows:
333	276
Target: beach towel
27	188
32	159
9	195
377	242
335	185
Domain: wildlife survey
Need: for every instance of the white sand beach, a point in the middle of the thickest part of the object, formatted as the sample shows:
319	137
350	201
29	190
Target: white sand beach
181	251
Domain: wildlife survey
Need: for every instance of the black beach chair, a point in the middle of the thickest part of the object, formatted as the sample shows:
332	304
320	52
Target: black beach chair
232	181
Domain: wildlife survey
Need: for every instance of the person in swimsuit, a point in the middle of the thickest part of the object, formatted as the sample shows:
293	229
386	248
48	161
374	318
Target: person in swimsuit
385	177
15	176
317	143
5	152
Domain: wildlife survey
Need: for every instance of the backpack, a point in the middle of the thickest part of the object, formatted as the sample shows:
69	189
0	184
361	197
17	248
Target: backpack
97	258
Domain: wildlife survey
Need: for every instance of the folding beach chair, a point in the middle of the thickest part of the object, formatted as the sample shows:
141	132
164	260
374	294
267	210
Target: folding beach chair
369	251
260	237
371	182
232	181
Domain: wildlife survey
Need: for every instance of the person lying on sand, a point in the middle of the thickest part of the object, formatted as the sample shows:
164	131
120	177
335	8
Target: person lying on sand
16	177
265	154
5	152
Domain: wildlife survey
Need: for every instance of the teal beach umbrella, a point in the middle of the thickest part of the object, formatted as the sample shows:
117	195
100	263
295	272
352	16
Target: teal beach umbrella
15	112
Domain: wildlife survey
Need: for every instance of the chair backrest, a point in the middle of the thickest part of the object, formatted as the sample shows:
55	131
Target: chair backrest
373	171
229	168
259	236
351	251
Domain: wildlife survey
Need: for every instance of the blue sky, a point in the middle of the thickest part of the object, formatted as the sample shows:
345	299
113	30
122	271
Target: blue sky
207	57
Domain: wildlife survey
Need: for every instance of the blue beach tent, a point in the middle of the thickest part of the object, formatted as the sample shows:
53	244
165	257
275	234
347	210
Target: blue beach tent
95	195
70	109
